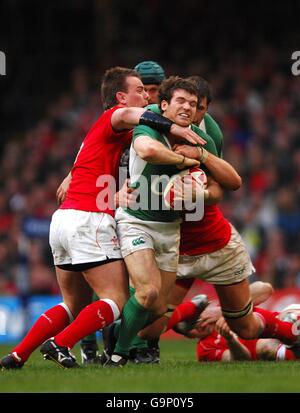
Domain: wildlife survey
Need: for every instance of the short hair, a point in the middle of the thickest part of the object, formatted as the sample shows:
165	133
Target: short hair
114	80
168	87
204	89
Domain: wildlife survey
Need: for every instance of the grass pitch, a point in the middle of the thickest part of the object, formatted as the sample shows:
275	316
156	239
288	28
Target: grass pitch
178	372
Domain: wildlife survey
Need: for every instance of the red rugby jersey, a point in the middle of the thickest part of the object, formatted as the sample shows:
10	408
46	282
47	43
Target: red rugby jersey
212	347
99	155
210	234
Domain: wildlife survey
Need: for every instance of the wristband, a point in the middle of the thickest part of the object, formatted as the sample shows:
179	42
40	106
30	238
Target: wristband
155	121
203	154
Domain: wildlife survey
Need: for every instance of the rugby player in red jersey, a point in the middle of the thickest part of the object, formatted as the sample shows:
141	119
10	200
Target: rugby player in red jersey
82	232
223	345
218	343
212	250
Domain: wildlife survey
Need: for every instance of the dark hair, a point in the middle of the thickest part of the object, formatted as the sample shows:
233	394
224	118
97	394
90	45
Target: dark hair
114	80
168	87
204	89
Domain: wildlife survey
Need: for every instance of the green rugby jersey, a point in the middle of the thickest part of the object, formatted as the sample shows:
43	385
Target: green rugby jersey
155	178
208	125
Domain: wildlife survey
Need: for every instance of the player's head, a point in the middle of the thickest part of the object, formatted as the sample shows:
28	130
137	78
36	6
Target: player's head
204	97
178	99
122	86
291	313
152	74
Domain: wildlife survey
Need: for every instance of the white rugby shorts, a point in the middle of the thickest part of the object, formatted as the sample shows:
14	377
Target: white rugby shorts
228	265
162	237
78	237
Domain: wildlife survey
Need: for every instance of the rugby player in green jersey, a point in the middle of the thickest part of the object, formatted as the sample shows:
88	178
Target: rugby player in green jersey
149	238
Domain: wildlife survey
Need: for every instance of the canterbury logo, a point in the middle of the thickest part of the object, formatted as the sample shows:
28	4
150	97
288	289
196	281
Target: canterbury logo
138	241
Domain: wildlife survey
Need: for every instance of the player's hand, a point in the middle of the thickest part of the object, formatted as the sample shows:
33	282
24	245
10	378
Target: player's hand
223	329
187	163
186	134
210	315
126	197
62	189
186	150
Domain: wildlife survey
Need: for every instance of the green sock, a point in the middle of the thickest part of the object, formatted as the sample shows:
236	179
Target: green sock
134	318
137	342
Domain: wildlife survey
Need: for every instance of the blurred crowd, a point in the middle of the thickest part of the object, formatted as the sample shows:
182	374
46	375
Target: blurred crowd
256	104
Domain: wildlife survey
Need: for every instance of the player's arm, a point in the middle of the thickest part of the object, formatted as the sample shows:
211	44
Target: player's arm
127	118
126	196
221	170
155	152
260	292
63	188
237	351
213	192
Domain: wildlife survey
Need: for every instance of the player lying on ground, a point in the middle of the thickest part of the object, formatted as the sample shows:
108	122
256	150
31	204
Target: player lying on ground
218	343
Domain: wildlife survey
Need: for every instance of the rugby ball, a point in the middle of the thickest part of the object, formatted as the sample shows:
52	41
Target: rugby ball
183	182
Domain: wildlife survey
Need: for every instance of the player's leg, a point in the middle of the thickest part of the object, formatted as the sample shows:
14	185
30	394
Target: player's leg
176	294
88	346
146	278
110	282
54	320
139	351
237	309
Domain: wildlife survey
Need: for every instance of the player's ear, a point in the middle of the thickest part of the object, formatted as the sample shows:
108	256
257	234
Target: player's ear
121	98
164	105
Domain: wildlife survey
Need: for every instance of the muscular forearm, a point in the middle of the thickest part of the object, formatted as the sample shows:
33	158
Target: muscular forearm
159	154
237	350
223	172
220	170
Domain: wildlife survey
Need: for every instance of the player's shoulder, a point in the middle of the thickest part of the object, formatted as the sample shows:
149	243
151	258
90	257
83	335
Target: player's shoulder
145	130
154	107
212	127
210	144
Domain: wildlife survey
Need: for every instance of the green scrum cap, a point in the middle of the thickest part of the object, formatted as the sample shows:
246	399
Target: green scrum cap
150	72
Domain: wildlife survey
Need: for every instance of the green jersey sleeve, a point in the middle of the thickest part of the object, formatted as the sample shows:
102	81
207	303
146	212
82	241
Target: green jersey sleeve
210	144
154	108
146	131
213	129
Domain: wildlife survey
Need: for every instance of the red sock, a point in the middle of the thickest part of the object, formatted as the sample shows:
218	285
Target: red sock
284	353
275	328
47	325
183	311
93	317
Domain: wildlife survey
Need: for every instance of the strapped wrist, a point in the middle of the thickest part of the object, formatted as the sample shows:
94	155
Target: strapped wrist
155	121
203	154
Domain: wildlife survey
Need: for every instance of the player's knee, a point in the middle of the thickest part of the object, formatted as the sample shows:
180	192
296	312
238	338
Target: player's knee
244	330
148	295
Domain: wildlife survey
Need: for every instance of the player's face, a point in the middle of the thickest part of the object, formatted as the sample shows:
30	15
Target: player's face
136	94
201	110
152	91
182	107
